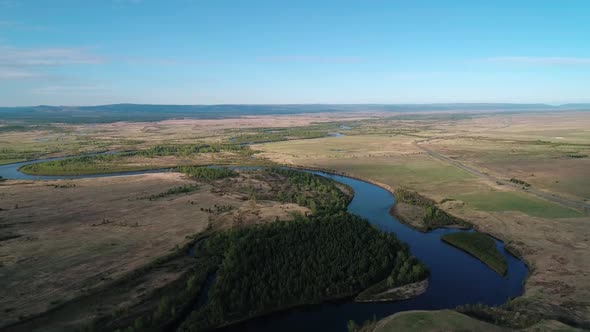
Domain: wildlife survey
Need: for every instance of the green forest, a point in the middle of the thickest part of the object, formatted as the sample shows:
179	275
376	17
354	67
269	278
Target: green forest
207	173
315	192
92	164
285	264
331	254
433	216
260	269
190	149
111	163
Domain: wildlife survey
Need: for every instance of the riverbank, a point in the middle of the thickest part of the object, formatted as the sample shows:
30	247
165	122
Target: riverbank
341	256
392	294
550	238
374	202
516	236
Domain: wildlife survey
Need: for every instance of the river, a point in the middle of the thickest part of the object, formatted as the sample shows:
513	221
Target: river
456	277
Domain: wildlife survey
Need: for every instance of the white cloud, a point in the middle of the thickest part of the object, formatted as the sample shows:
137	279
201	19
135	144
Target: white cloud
8	3
12	56
542	60
147	61
133	2
311	59
29	63
18	74
69	89
8	23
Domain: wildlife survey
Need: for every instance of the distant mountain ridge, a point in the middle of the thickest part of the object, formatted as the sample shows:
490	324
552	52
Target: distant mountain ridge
152	112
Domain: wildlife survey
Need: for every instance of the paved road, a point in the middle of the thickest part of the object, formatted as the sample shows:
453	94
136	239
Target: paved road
579	205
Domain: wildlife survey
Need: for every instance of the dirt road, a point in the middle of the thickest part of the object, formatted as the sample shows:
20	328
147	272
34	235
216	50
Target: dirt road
579	205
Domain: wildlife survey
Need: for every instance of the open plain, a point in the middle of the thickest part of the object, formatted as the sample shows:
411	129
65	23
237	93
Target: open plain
536	148
66	238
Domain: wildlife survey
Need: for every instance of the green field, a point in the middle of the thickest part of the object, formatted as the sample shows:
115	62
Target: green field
417	173
430	321
512	201
481	246
335	147
430	171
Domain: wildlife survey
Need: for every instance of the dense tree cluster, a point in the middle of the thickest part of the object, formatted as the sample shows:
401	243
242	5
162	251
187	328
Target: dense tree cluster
109	163
520	182
315	192
281	134
407	270
412	197
207	173
188	149
433	216
92	164
285	264
577	155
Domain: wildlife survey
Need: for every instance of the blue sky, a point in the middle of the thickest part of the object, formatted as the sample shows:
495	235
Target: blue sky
77	52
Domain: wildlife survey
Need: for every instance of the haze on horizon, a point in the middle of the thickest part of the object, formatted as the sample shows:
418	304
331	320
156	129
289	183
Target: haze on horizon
68	52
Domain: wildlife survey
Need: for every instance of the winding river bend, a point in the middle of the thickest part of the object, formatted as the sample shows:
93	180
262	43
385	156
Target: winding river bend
456	277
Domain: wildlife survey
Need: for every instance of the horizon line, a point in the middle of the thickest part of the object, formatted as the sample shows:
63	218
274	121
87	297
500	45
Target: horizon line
309	104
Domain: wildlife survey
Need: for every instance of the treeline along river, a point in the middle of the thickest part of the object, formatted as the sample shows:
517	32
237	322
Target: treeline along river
456	278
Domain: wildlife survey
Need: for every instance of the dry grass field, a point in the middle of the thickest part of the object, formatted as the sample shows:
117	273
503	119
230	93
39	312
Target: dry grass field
69	139
75	236
451	321
69	237
553	239
444	320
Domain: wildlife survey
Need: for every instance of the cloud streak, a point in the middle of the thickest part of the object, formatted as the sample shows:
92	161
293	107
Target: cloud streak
541	60
18	74
33	63
12	56
9	23
311	59
77	89
8	3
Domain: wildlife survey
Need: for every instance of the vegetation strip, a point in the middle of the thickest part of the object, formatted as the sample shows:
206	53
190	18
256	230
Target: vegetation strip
422	213
173	191
209	173
481	246
139	160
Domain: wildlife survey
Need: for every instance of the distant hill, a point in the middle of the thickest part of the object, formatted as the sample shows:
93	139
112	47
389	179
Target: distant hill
142	112
575	106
